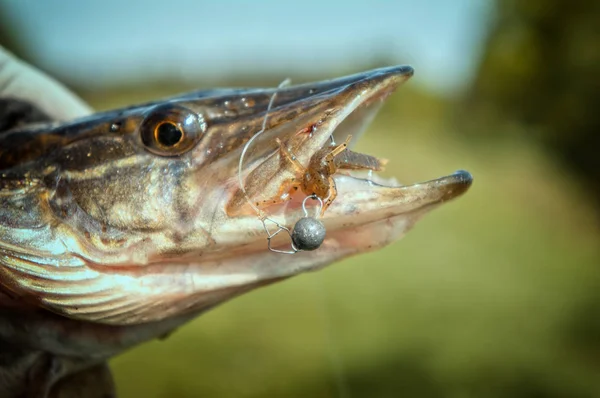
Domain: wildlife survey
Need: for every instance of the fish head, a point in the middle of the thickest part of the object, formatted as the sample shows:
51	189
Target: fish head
145	213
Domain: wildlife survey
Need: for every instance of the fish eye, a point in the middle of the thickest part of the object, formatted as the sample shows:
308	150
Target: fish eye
168	134
171	130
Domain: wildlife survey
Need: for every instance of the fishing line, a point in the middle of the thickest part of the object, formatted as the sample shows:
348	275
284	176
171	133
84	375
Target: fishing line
259	212
333	352
336	359
308	233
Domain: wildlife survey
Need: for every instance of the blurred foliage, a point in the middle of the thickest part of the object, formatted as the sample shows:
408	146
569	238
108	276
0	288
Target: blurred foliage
8	39
16	43
541	70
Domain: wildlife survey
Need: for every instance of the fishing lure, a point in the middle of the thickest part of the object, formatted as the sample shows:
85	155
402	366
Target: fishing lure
308	233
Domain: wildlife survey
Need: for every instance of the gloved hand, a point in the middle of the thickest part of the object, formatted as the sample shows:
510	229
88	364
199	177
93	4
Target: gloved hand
23	82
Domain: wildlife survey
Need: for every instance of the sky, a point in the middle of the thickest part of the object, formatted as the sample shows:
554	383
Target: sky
95	42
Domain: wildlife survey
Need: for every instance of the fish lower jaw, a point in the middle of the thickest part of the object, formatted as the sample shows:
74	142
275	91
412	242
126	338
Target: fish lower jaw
365	198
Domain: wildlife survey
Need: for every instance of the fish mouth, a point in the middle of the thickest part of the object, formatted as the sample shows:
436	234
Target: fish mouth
369	211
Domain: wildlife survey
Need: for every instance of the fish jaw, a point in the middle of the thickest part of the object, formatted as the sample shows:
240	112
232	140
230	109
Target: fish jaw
352	102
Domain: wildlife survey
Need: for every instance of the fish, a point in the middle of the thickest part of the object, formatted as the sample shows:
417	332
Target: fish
118	227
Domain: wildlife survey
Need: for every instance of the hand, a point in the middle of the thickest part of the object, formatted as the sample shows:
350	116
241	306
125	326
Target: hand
21	81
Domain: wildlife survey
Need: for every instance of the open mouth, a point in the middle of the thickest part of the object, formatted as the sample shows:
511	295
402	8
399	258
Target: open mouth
275	186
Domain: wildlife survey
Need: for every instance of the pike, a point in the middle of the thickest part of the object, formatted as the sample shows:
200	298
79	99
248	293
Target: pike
119	227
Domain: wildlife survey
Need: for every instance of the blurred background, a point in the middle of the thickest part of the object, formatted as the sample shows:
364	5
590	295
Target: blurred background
494	295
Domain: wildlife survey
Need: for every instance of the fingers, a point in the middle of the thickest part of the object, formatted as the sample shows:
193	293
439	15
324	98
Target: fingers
21	81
